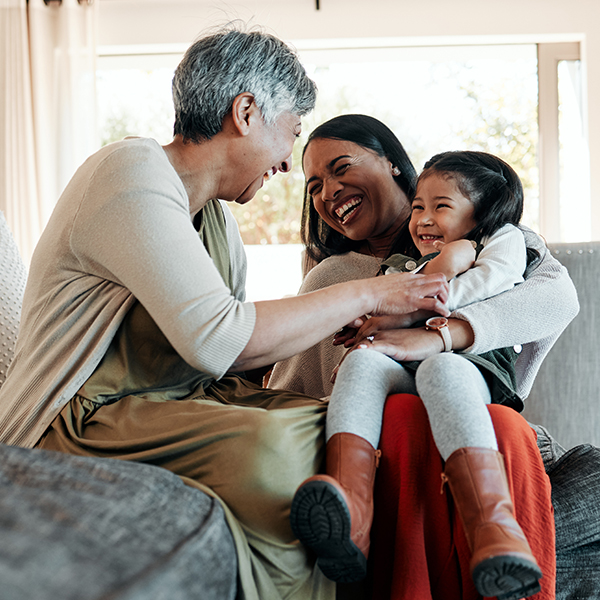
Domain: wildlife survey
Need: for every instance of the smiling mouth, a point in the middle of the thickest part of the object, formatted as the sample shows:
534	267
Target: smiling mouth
430	238
345	211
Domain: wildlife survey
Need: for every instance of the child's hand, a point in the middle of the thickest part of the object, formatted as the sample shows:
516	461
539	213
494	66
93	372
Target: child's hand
454	258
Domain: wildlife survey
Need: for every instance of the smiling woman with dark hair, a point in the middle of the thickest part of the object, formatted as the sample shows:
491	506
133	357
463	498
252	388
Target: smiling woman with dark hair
354	209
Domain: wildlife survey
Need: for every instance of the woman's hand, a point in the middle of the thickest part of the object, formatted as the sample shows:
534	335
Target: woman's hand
413	344
405	344
404	293
399	344
366	326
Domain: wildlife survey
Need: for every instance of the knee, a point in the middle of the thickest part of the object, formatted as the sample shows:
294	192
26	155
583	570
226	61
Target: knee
363	359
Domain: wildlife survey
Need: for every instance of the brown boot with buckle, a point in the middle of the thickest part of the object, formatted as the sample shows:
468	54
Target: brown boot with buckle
332	514
502	564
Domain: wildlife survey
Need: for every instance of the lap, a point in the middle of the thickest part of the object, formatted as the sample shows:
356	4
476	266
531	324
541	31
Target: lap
251	446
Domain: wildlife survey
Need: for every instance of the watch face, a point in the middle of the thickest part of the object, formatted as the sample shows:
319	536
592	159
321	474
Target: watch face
437	322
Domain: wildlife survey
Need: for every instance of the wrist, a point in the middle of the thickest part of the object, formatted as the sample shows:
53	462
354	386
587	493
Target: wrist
440	326
462	334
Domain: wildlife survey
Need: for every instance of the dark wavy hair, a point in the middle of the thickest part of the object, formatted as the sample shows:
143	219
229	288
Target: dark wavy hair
320	239
490	184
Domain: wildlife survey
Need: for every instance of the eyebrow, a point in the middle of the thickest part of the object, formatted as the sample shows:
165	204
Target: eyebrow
330	165
434	198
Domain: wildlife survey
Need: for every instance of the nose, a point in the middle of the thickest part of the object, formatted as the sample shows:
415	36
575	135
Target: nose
424	218
286	165
331	188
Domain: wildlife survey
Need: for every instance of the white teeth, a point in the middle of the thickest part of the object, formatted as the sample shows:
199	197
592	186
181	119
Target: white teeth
346	207
268	175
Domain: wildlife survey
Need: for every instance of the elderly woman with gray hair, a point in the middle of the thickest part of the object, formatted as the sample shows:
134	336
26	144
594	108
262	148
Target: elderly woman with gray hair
134	318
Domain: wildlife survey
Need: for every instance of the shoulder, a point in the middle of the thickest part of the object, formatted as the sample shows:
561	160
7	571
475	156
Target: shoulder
339	269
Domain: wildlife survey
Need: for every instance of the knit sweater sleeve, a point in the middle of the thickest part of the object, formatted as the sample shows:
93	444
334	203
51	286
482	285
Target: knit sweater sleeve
133	228
532	314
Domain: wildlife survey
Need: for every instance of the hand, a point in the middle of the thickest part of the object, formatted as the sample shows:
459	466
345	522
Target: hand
403	293
365	326
405	344
454	258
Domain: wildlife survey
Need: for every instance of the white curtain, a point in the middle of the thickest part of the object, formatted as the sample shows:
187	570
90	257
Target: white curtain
48	118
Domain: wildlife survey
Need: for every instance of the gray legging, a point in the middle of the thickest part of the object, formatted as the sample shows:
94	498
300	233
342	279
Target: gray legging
452	389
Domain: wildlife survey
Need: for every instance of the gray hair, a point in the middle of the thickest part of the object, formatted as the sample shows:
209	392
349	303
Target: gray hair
219	67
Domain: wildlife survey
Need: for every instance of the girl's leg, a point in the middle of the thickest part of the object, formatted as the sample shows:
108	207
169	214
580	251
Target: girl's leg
363	382
502	564
455	395
332	513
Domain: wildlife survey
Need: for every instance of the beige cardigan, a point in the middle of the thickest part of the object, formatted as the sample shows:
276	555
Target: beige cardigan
120	231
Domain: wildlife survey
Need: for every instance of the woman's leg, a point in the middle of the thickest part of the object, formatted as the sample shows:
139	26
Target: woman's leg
419	549
332	513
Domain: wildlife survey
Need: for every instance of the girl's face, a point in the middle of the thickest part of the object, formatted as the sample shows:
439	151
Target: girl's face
439	213
353	190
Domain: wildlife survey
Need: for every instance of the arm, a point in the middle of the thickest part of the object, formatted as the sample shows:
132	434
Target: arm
309	372
499	267
285	327
539	308
140	236
454	258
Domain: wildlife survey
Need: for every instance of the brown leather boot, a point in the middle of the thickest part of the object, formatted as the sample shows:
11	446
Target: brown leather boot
502	564
332	514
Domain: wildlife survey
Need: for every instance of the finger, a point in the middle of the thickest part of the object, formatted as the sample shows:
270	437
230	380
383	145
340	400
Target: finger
434	304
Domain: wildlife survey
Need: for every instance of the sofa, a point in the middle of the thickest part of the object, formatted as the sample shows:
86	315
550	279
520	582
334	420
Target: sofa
85	528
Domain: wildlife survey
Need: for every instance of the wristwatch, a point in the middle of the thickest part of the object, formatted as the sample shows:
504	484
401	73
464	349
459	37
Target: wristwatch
440	324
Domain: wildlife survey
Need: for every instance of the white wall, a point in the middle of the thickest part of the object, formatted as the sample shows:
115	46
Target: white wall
140	22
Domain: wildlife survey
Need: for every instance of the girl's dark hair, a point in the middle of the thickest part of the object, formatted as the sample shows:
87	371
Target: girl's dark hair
488	182
319	238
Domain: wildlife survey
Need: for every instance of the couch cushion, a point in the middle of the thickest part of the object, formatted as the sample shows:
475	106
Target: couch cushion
12	286
84	528
566	391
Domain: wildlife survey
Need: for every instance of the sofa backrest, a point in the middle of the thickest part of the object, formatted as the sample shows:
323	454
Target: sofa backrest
566	395
12	285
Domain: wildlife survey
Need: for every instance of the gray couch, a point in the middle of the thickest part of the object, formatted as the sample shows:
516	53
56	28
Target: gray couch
83	528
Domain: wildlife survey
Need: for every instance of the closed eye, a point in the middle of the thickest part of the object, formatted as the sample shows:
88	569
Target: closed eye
315	189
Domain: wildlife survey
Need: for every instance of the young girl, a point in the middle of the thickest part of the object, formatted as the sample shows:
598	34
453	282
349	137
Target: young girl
462	224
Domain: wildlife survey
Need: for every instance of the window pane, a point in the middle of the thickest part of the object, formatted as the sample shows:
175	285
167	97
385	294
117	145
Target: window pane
573	156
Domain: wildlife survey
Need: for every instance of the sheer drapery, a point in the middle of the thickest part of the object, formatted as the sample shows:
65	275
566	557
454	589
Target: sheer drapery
47	123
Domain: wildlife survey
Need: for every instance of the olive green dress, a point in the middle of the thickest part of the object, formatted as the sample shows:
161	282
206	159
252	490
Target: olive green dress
247	446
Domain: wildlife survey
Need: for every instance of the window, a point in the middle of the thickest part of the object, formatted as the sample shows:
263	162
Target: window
434	98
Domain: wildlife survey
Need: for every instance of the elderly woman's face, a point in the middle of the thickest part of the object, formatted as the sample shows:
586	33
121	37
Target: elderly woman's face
353	190
269	150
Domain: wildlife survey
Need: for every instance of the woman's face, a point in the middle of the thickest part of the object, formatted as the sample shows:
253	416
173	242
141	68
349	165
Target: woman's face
353	190
440	212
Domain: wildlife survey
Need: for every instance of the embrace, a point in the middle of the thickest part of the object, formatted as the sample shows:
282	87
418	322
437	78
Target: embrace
135	338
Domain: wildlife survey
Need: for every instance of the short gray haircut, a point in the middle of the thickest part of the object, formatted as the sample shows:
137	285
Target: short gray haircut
219	67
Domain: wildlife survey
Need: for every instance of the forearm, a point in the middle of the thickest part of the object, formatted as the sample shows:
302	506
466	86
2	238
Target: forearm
288	326
540	307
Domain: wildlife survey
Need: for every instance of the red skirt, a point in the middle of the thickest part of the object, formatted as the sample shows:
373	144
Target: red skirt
418	547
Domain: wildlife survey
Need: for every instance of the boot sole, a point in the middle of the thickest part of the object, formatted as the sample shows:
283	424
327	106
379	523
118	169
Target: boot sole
320	519
507	577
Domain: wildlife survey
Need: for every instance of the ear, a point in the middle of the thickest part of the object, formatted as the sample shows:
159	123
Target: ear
243	112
